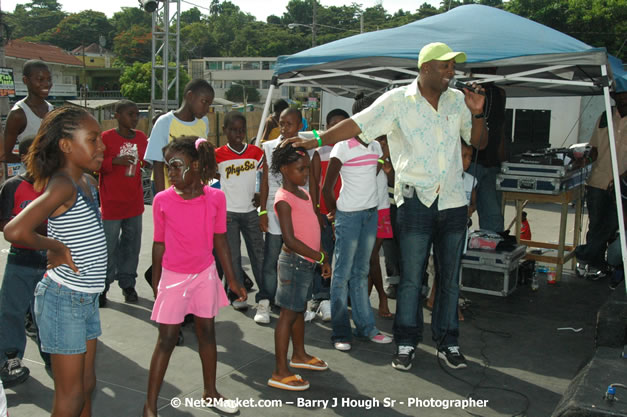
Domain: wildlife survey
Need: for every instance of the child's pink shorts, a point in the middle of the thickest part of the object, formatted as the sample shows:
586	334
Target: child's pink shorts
384	226
200	294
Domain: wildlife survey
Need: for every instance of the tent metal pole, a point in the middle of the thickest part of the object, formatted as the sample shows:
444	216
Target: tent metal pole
264	115
616	174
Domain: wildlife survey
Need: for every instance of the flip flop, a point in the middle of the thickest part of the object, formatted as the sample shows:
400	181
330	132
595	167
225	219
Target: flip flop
314	364
285	383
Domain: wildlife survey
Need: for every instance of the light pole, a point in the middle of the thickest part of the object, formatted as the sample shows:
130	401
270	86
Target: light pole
244	94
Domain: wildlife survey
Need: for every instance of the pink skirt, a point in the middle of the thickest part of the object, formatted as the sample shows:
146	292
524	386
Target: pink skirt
179	294
384	226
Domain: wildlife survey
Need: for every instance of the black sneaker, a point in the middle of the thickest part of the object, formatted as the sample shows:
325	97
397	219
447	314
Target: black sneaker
402	359
130	295
453	357
102	299
13	372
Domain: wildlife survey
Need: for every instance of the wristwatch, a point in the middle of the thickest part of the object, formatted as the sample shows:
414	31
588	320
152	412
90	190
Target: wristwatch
479	116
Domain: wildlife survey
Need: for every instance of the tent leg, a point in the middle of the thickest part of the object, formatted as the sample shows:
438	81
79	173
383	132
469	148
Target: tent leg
264	115
616	174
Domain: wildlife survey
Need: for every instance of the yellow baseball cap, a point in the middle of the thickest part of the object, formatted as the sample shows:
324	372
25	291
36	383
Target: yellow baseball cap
440	52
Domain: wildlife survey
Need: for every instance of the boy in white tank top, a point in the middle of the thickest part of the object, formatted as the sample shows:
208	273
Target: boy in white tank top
26	115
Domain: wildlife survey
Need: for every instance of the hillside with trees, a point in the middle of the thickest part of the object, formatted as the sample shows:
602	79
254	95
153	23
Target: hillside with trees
223	29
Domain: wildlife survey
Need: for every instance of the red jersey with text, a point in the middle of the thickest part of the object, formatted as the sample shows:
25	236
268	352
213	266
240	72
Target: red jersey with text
238	174
121	196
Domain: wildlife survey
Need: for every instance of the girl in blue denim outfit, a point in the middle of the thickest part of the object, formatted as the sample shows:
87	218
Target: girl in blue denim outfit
355	216
297	261
67	145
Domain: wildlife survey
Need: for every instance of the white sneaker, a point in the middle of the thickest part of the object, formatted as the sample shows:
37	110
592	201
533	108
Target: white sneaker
263	316
324	310
343	346
309	315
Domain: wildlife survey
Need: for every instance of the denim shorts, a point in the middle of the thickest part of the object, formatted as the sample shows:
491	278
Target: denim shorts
66	318
294	284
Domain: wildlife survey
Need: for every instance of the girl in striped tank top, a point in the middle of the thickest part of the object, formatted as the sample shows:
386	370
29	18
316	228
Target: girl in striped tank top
67	145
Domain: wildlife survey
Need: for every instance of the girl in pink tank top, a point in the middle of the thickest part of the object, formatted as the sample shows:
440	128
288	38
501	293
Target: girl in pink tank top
299	256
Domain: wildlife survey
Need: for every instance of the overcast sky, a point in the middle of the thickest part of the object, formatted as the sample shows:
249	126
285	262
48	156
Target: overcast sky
260	9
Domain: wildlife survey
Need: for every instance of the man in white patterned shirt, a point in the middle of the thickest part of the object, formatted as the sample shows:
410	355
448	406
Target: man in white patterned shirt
423	122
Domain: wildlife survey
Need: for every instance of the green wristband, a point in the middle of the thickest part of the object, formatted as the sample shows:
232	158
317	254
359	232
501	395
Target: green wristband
317	136
261	213
381	161
321	261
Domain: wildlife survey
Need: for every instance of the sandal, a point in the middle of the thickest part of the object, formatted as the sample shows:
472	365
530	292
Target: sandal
314	364
285	383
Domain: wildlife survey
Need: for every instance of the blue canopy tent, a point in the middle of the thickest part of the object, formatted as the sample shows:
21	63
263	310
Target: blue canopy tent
531	60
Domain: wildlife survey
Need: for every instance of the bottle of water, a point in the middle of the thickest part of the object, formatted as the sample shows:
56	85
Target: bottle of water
534	280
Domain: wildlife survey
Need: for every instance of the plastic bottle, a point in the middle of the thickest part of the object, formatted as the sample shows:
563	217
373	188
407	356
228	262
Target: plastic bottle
550	278
131	170
534	280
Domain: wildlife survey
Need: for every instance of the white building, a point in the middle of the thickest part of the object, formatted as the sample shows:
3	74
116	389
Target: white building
222	72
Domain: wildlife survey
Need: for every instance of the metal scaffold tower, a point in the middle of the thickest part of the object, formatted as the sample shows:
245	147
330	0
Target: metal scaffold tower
165	53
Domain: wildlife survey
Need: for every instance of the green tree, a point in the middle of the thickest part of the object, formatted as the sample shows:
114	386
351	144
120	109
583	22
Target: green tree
134	44
190	16
79	29
197	41
235	93
135	83
32	19
130	16
600	23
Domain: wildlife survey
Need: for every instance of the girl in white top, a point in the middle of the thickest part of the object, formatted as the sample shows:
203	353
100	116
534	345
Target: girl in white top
355	216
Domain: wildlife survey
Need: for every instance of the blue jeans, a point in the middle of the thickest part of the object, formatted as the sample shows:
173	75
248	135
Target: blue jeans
355	234
488	198
67	318
295	276
248	225
271	251
124	239
24	269
603	225
321	286
420	226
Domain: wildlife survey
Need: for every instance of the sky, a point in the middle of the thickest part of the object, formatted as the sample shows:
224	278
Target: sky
260	9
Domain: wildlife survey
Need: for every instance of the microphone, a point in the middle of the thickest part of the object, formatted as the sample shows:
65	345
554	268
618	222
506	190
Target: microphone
455	83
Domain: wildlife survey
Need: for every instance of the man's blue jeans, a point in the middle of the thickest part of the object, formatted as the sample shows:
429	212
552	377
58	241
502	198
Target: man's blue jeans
24	269
355	234
271	251
488	198
248	225
420	226
124	239
603	225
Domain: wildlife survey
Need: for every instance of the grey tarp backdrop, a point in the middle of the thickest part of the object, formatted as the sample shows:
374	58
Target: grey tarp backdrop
532	60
